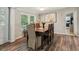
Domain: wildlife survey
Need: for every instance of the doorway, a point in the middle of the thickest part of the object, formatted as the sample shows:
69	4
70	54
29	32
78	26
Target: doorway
69	23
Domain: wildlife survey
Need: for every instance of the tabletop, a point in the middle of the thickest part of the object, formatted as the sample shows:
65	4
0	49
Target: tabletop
41	29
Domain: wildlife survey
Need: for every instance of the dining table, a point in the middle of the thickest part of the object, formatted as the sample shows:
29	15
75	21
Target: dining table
40	32
41	29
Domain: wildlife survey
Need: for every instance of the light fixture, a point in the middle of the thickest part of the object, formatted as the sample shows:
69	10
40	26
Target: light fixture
42	9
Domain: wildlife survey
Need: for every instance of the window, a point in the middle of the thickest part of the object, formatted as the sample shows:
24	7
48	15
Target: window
24	21
51	18
31	19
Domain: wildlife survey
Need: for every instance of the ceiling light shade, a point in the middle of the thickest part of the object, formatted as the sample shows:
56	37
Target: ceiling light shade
42	9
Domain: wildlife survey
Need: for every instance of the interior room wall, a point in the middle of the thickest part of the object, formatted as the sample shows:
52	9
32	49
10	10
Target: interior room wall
18	28
18	31
59	26
78	20
4	20
12	24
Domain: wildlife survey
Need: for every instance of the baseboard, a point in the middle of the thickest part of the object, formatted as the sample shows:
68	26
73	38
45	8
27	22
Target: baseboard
65	34
1	42
59	33
19	37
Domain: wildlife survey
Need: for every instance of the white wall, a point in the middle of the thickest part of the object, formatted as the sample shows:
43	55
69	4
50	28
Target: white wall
15	20
4	25
18	28
12	24
78	20
18	31
59	26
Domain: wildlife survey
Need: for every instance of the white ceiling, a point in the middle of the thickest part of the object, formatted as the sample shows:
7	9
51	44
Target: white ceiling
36	10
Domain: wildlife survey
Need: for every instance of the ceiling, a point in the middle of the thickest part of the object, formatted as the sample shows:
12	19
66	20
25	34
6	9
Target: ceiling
36	10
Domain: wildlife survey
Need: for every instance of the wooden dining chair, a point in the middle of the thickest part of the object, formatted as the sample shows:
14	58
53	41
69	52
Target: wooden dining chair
46	36
49	35
52	32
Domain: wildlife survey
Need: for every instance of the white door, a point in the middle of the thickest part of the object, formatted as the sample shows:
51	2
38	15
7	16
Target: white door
3	25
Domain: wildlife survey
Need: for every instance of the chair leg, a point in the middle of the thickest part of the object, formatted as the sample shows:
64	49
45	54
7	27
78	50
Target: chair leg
41	44
48	40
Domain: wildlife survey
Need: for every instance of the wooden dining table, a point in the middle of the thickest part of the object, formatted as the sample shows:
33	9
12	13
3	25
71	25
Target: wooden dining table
41	29
40	32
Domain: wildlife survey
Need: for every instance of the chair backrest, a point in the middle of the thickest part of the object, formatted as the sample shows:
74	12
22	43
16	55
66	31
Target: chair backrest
49	27
37	25
52	29
31	36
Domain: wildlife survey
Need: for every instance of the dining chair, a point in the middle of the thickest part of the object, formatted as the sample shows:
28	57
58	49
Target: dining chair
52	32
37	25
49	34
26	36
33	41
46	36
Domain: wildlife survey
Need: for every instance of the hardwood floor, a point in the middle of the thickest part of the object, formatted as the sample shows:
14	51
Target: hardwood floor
60	43
65	43
18	45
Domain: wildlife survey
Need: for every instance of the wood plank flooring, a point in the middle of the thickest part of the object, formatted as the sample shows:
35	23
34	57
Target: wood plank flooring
18	45
65	43
60	43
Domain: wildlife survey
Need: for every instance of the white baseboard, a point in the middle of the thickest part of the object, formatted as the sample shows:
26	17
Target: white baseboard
19	37
12	41
59	33
16	38
66	34
1	42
